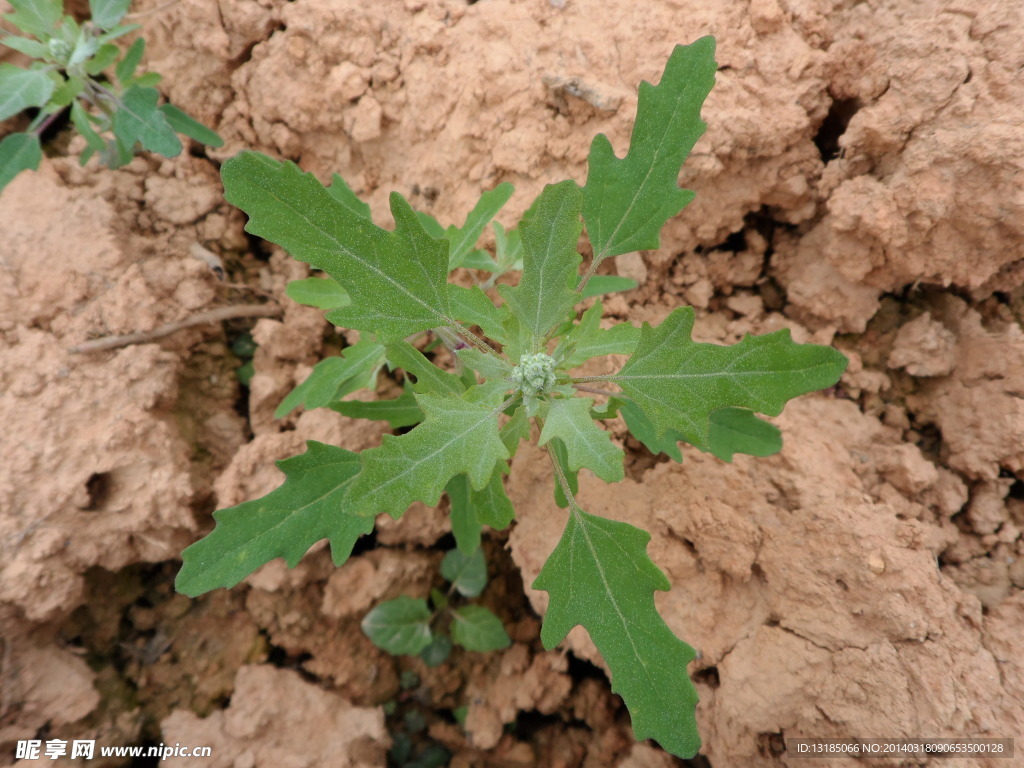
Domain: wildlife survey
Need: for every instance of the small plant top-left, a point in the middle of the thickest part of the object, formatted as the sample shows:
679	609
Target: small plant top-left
77	68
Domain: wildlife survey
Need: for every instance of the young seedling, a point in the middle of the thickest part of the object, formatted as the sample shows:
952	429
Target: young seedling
412	626
71	70
469	425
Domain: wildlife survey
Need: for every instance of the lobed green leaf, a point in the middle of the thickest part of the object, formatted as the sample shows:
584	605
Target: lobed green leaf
545	295
599	576
586	444
397	279
456	437
678	383
138	119
311	504
626	202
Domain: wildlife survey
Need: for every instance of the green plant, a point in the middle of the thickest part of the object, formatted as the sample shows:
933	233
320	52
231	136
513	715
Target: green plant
70	71
411	626
470	423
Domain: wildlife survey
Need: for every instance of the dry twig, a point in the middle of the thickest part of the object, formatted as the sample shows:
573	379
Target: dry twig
203	318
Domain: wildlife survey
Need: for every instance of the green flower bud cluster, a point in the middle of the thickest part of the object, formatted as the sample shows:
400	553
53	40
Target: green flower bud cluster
61	50
535	374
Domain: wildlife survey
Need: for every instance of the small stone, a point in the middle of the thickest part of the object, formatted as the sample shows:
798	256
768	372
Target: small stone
876	563
363	121
924	347
746	304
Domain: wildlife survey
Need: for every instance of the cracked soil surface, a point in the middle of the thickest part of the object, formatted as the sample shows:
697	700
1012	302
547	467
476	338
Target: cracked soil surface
859	183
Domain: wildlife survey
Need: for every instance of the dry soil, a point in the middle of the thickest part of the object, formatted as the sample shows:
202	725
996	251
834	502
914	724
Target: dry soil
859	183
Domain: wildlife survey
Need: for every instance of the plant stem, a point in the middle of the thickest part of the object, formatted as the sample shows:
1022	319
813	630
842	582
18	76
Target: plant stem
475	340
448	337
507	403
100	97
593	390
103	90
50	119
564	483
594	264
